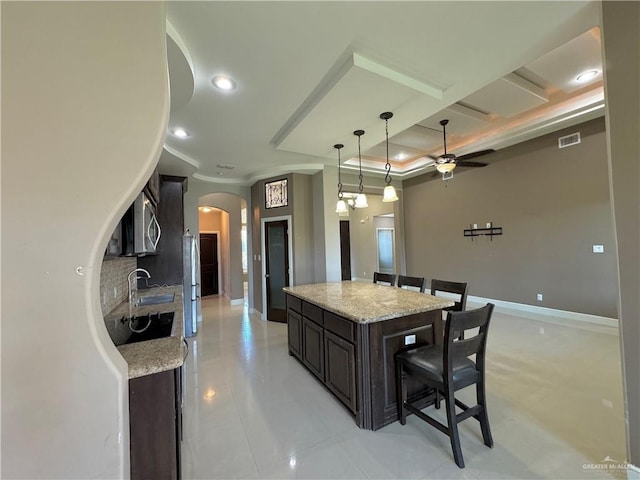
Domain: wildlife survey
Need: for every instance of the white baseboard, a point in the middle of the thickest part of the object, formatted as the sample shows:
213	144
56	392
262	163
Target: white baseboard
633	472
237	301
544	313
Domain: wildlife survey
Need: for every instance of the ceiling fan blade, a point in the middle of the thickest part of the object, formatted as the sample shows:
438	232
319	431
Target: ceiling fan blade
471	155
470	164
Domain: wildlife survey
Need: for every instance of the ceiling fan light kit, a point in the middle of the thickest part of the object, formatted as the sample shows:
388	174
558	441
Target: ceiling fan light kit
447	162
389	194
445	167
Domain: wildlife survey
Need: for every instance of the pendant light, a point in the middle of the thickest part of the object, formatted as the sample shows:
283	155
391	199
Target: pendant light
341	206
389	194
361	198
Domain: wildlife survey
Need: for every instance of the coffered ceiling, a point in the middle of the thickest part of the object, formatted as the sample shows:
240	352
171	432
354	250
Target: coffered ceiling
308	74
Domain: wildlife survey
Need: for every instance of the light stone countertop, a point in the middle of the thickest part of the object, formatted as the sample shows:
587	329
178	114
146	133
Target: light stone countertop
367	302
151	356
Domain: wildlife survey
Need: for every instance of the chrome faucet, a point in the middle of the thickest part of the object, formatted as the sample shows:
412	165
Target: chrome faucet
132	276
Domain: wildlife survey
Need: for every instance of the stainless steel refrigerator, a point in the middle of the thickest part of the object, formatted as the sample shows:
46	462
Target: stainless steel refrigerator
191	284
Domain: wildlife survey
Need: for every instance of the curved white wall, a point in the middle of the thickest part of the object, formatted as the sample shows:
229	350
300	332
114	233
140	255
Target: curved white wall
84	111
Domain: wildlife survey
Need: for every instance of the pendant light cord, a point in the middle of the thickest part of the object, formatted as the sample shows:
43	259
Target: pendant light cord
387	167
338	146
359	133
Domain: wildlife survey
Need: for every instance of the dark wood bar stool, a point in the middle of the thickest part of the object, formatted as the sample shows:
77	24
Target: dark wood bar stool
458	288
447	369
417	282
389	278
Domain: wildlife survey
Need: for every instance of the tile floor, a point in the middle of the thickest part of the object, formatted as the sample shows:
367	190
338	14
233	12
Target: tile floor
252	411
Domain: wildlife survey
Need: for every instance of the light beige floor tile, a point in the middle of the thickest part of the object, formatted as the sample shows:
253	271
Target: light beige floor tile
554	399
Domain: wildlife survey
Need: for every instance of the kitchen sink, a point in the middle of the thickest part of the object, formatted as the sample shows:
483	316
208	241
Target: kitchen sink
148	327
156	299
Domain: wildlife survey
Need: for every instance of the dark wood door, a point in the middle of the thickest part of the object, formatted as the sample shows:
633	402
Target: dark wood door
209	264
345	250
276	237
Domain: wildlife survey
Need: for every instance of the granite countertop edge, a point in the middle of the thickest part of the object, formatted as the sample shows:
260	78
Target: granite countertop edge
433	304
159	355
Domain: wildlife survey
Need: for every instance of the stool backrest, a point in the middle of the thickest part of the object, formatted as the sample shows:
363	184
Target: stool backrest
417	282
460	322
389	278
451	287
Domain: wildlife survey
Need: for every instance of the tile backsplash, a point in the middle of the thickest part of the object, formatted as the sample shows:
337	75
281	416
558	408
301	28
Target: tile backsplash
113	282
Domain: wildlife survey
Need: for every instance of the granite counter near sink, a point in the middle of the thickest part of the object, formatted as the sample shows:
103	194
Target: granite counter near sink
151	356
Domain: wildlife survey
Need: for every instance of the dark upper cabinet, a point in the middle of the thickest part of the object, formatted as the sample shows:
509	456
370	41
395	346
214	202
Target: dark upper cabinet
167	267
153	187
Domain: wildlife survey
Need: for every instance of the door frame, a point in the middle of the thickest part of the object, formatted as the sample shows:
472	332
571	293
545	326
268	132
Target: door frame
217	232
393	247
263	264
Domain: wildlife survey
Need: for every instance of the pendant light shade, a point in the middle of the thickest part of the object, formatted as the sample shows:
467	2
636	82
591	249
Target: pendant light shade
361	198
390	194
361	201
341	206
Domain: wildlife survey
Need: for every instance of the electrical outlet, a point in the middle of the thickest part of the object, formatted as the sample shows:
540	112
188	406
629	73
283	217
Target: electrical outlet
409	339
541	331
539	297
607	403
598	249
115	292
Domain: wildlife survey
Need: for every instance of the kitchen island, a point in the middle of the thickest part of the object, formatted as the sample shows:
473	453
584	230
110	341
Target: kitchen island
347	334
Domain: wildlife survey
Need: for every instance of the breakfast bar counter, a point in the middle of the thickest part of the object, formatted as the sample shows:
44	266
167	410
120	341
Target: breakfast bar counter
347	333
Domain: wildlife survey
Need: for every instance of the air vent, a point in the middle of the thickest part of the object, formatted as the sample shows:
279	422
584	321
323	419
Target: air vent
225	166
569	140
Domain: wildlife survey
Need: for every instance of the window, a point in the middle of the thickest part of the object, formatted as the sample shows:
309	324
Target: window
243	237
276	194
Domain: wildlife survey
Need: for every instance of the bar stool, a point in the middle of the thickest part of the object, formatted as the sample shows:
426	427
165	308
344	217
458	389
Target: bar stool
405	281
447	369
389	278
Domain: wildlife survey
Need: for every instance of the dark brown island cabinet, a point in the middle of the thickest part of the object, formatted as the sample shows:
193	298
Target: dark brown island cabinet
155	419
355	360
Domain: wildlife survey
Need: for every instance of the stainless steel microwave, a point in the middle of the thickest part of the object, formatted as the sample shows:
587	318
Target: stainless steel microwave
140	228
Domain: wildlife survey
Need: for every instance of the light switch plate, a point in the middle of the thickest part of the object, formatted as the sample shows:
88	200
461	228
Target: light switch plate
598	249
409	339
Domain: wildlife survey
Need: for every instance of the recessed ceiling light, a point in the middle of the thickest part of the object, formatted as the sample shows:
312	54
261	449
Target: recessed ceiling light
586	76
401	156
206	209
180	132
224	83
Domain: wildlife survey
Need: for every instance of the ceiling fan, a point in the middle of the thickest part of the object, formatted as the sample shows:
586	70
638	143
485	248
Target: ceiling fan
447	162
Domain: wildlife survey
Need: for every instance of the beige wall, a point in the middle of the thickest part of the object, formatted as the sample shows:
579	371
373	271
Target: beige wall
621	51
255	215
84	111
210	222
553	205
362	229
303	238
230	241
199	190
